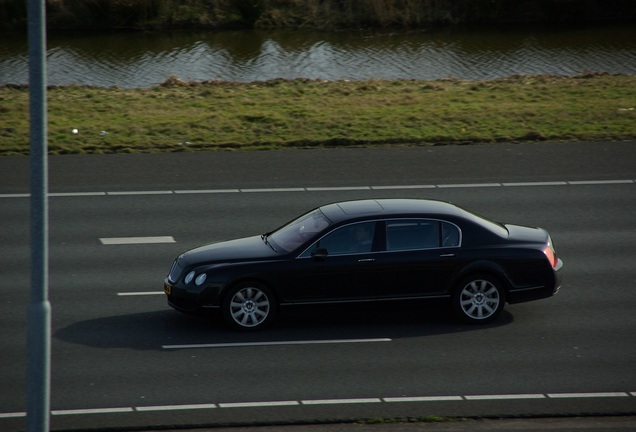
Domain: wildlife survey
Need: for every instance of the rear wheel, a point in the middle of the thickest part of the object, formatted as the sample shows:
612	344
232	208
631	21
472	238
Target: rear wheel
479	299
248	306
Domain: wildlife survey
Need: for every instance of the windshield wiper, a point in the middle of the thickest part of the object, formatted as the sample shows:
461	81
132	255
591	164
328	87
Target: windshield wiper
264	238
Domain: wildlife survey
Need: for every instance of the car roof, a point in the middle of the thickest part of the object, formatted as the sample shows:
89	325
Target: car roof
340	211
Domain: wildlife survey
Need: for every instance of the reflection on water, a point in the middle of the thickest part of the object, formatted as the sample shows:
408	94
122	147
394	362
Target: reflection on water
143	60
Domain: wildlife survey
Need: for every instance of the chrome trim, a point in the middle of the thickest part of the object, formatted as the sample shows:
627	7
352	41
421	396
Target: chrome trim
175	270
527	289
312	302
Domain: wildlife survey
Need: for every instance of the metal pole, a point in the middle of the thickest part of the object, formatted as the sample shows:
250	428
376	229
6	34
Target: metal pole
39	312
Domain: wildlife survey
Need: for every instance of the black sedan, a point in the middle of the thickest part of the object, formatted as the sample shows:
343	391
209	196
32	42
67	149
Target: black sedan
369	250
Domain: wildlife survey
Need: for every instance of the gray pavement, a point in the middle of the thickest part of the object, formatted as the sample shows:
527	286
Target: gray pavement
335	167
551	162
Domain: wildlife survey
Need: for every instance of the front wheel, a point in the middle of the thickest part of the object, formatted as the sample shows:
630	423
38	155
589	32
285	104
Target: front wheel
479	299
248	306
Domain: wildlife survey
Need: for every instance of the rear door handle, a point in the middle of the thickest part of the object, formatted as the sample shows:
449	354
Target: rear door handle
366	260
448	255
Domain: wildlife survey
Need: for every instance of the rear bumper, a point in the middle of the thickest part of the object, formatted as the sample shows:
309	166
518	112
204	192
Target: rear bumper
558	276
539	292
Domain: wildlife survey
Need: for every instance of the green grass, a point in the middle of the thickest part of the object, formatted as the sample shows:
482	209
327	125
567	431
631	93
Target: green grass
177	116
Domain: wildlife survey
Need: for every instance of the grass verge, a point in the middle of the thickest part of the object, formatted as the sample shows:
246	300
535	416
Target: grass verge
179	116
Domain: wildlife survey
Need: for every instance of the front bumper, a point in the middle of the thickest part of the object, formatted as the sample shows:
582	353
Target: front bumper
189	301
180	299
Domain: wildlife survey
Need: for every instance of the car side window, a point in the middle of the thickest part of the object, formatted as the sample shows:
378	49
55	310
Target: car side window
351	239
409	234
450	235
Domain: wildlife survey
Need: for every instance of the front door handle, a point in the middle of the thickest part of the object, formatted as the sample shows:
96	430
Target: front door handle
366	260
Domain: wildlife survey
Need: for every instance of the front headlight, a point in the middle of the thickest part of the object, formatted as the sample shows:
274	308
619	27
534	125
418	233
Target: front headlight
198	280
189	277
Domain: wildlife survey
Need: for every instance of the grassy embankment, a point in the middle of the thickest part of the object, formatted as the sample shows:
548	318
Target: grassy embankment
179	117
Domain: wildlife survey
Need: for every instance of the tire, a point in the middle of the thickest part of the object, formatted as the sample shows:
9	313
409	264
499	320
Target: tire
248	306
479	299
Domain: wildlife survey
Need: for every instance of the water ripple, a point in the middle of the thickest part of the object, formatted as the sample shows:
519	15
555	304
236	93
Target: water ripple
140	60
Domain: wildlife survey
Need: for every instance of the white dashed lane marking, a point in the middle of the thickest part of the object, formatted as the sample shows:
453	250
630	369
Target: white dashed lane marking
274	404
330	188
136	240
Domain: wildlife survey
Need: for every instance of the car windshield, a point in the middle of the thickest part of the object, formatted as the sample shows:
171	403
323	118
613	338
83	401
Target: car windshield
297	232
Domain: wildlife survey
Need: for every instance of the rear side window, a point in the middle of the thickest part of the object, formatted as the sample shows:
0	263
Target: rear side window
450	235
411	234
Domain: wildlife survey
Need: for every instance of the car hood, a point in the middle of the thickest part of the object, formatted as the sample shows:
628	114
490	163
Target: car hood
244	249
526	234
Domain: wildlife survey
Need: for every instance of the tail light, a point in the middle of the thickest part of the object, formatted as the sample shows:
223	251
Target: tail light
550	253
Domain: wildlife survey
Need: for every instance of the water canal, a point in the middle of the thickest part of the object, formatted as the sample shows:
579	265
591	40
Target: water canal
133	60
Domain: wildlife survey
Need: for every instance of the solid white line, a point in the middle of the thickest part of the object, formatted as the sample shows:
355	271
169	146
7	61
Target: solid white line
469	185
275	343
15	195
338	188
587	395
13	415
274	190
423	399
92	411
340	401
140	293
404	187
506	397
168	192
175	407
76	194
553	183
136	240
600	182
258	404
207	191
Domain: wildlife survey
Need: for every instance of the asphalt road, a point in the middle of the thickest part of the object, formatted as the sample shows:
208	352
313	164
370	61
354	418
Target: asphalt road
118	352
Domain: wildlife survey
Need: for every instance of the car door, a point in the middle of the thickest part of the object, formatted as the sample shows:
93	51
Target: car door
420	258
341	266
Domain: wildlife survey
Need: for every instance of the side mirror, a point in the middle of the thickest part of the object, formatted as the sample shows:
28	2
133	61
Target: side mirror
320	253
